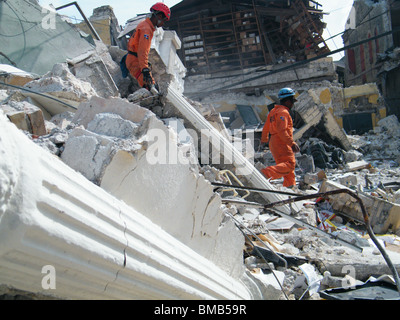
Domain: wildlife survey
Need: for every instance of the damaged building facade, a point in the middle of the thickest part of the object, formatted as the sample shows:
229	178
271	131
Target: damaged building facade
375	61
133	196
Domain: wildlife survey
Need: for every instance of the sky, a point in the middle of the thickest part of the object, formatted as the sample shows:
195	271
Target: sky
125	9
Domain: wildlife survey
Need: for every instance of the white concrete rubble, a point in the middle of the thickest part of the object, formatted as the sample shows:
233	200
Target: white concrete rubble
60	83
98	247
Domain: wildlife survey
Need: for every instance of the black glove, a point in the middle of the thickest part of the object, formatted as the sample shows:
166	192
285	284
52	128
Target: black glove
264	145
147	78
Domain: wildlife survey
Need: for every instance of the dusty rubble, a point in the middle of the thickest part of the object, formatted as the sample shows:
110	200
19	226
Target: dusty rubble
308	254
103	128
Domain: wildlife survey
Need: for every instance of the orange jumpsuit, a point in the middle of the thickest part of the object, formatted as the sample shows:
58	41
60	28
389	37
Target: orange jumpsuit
279	126
140	43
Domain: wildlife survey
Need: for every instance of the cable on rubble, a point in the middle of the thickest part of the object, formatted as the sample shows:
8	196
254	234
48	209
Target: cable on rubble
328	193
241	226
35	92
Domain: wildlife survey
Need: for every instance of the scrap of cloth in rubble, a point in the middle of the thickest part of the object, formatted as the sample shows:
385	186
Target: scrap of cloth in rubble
140	44
278	131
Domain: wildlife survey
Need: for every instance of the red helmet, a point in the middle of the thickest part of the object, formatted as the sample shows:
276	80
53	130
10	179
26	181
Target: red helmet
161	7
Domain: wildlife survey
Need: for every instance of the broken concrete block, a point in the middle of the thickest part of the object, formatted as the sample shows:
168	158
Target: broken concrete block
86	153
310	178
330	281
62	120
271	281
17	117
133	169
131	178
36	121
348	179
128	111
26	117
357	165
391	125
61	83
352	155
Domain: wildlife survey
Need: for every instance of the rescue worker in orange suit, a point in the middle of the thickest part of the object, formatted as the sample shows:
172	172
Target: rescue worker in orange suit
137	60
278	131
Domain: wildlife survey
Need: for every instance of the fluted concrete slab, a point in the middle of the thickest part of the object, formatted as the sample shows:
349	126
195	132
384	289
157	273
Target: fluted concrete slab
99	247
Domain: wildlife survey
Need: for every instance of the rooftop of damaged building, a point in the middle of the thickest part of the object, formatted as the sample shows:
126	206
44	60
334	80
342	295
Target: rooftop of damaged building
122	179
237	35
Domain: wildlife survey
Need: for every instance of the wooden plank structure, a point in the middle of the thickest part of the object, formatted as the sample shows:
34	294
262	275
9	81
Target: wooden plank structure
219	35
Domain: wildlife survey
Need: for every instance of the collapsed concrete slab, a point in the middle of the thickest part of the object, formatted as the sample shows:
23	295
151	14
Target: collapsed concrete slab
131	154
63	85
200	86
96	246
318	120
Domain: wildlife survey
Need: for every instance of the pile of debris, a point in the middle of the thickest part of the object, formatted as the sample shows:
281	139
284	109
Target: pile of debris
141	149
289	254
317	262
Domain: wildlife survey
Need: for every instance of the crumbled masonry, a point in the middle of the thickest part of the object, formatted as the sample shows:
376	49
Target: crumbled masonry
120	196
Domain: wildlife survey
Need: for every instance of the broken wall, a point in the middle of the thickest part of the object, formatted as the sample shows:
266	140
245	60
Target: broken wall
376	60
356	109
360	61
34	39
200	86
106	25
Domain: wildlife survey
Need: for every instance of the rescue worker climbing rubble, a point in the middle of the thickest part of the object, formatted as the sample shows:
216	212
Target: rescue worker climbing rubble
137	60
278	131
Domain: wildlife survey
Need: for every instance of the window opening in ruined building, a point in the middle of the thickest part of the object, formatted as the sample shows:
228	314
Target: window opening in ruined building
358	123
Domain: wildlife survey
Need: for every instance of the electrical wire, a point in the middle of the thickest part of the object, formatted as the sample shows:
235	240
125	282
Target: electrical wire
36	92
